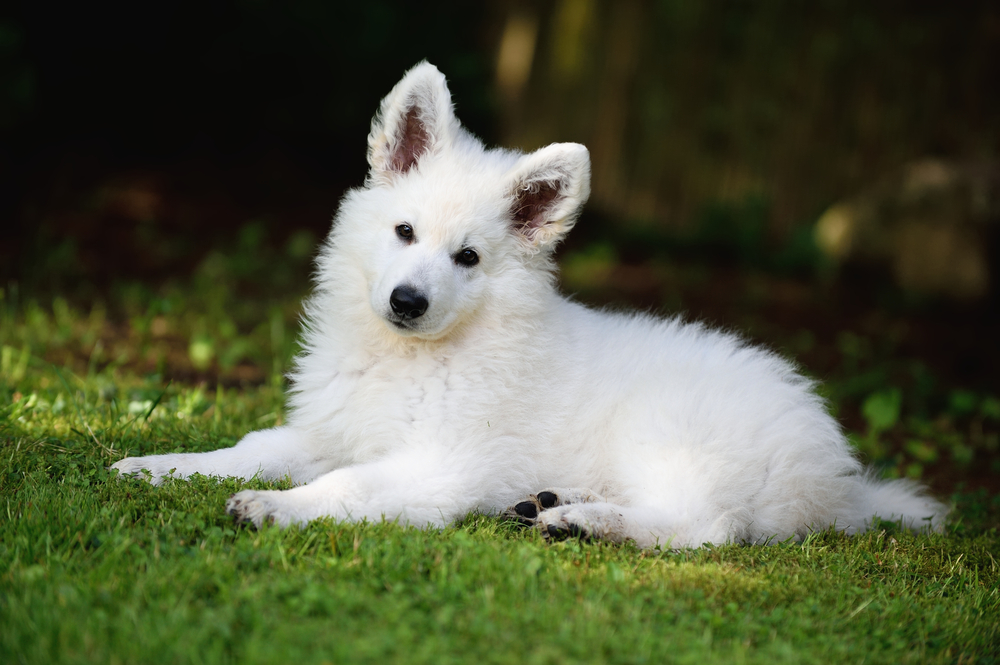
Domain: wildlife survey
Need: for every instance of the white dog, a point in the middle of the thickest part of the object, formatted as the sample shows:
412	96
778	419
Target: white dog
443	373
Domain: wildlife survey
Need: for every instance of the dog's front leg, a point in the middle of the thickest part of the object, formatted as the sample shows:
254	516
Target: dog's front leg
415	491
271	454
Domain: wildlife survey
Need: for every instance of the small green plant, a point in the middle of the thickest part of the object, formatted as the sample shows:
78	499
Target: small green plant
881	411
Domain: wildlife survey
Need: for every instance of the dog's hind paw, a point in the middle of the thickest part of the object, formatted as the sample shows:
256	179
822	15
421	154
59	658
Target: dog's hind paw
527	512
570	513
601	521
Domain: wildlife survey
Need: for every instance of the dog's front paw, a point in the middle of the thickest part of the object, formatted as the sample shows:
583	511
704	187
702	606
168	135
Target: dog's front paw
253	507
153	468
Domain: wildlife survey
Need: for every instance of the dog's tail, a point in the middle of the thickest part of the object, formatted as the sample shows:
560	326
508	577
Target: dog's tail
903	501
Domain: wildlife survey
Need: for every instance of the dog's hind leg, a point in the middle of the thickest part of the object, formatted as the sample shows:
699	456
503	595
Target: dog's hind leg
270	454
646	527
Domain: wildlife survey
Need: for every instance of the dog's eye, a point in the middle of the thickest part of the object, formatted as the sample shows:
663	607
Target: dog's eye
467	257
405	232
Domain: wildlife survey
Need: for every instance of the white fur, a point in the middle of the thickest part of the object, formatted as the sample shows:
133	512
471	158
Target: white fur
675	434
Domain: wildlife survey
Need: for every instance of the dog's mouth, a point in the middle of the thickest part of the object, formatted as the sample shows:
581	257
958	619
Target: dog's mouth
417	328
402	325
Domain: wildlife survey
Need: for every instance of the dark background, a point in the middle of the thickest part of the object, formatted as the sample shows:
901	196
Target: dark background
216	112
134	136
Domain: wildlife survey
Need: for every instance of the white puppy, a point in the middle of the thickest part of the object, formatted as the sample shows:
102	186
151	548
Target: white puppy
443	373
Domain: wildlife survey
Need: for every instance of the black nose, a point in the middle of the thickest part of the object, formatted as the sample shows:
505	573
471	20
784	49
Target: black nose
407	303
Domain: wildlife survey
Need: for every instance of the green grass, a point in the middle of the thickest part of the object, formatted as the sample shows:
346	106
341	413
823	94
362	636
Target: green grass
95	569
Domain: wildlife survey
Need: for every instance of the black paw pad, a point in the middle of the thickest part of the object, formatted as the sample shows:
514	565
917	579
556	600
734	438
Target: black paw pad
547	499
526	509
564	532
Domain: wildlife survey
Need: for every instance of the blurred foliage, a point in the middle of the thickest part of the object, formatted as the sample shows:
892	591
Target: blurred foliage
234	318
685	105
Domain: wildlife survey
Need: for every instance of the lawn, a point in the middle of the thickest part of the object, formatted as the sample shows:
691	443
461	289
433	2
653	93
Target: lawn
97	569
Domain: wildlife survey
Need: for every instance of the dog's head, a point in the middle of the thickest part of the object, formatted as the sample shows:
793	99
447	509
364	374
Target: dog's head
445	229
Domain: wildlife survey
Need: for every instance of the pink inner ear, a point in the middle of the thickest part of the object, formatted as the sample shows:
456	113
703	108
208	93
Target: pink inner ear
414	140
533	205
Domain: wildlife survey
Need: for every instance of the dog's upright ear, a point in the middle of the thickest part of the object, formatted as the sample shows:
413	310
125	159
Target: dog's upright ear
415	119
547	191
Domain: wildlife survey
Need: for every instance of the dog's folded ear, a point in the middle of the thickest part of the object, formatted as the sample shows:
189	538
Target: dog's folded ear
415	119
547	191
